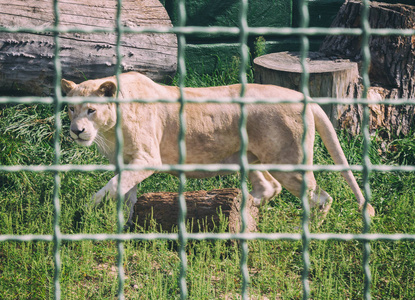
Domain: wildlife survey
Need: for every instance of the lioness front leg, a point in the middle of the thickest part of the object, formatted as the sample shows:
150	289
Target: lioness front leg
130	200
128	188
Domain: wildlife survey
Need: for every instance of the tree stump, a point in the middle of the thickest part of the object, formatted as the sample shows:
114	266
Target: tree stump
392	64
203	209
26	60
335	78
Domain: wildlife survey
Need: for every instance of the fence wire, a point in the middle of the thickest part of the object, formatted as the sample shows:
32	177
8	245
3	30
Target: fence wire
243	31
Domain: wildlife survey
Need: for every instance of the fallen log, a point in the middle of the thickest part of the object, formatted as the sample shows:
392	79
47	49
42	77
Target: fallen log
26	59
392	60
203	211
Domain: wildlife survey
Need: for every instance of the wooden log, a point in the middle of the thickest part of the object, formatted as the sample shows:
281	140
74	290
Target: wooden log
202	210
26	59
392	63
338	78
392	57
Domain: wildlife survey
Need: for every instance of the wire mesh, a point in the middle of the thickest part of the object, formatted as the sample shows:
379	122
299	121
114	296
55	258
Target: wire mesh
304	22
242	31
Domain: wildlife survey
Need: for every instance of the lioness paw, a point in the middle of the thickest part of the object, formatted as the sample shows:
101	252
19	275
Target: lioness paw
257	201
370	210
98	197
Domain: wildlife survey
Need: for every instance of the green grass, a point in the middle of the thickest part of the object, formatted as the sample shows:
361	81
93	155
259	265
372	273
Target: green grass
152	268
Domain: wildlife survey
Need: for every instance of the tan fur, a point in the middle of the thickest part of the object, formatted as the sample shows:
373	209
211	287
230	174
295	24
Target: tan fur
150	133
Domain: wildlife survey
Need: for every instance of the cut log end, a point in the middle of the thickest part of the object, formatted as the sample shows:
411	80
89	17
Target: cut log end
335	78
205	211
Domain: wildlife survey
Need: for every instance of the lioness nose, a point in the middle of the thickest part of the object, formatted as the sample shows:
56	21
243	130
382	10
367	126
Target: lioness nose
77	131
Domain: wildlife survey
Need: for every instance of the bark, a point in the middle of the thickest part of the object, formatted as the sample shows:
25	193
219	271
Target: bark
203	207
392	64
26	60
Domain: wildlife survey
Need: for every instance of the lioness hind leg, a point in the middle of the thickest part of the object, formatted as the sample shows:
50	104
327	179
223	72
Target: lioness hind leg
264	187
317	197
320	199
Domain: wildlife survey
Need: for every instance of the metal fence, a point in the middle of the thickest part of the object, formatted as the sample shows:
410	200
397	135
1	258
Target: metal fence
243	31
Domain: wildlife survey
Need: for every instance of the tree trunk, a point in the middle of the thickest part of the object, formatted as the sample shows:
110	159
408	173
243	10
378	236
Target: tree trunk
26	60
162	210
337	78
392	65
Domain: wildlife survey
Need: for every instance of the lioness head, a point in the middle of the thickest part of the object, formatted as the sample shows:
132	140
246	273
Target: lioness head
88	119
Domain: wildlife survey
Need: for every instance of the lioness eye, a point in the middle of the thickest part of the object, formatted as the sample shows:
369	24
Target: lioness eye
71	108
91	111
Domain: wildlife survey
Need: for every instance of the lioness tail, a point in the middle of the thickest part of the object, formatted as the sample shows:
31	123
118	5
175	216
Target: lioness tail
330	140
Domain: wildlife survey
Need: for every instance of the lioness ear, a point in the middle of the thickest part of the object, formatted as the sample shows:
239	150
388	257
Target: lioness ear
67	85
107	89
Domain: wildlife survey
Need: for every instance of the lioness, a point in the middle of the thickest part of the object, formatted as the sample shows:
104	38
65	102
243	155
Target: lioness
150	133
